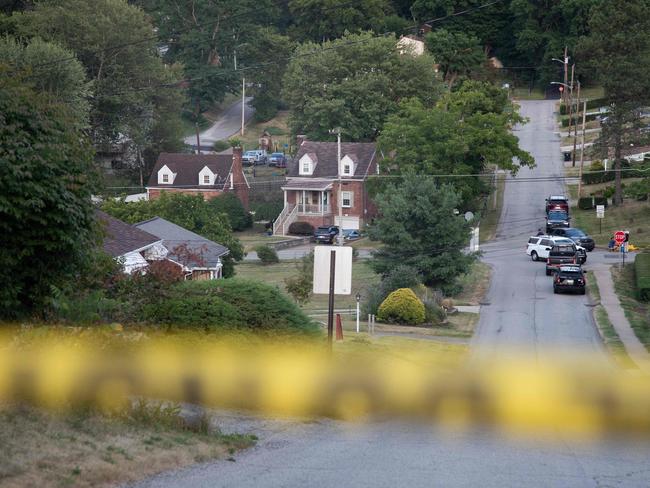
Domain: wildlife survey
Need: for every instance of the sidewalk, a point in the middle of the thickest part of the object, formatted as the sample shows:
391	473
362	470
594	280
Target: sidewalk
609	300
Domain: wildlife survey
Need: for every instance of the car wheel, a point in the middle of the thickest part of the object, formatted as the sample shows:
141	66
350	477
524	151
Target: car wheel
548	272
583	291
534	256
555	290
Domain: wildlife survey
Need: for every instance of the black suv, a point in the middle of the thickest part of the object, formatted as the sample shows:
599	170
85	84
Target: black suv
556	219
577	236
326	234
569	278
562	255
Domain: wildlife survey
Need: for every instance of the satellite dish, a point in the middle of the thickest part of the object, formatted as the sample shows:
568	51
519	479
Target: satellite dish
469	216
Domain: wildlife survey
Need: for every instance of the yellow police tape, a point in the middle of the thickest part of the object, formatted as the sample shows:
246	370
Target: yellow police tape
517	394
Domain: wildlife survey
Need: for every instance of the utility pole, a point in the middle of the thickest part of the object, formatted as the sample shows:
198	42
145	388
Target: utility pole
582	149
570	101
338	159
243	103
566	73
575	126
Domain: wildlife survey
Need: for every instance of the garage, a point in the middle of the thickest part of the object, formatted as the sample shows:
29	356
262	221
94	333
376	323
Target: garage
351	223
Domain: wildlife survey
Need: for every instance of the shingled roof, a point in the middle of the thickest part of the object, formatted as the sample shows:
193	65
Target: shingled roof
121	238
188	166
326	154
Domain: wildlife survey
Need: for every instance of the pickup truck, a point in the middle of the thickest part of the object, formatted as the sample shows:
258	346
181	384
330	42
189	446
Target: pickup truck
326	234
562	255
557	202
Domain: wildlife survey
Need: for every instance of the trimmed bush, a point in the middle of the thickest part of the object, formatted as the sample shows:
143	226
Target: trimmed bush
267	254
402	307
642	276
400	277
586	203
301	228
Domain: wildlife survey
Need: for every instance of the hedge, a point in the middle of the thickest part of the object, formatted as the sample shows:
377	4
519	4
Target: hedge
638	170
587	203
266	254
591	104
578	119
403	307
642	276
301	228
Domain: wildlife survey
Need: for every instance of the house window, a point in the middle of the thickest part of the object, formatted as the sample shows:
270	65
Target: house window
346	169
346	199
306	167
206	179
165	178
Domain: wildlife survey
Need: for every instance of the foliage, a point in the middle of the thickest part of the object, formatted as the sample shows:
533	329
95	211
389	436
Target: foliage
266	211
418	228
459	54
46	217
37	61
586	203
189	211
300	286
229	204
466	132
642	276
401	276
318	20
301	228
266	254
354	83
403	307
433	312
638	190
228	304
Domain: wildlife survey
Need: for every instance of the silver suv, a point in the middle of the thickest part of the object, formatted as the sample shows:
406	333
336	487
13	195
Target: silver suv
539	246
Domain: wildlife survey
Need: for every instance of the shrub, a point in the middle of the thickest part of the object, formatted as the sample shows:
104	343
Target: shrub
229	204
600	201
597	166
301	285
267	254
642	276
266	210
219	146
434	314
400	277
586	203
403	307
301	228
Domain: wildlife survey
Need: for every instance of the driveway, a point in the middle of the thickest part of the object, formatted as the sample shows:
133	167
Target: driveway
228	124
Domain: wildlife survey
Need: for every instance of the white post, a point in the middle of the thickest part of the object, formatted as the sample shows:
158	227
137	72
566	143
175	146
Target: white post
243	103
303	201
358	316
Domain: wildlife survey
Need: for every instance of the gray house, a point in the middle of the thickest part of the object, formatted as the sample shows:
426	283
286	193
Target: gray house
199	257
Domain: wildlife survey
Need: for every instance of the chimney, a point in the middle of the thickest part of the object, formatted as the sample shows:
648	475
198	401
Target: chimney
238	180
300	139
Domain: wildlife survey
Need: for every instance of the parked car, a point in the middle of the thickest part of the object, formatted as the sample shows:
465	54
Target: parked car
278	160
326	234
557	219
351	234
570	278
557	202
538	247
577	236
254	157
562	254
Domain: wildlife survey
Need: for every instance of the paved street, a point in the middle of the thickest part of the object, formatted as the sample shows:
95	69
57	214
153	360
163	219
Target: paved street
228	124
523	312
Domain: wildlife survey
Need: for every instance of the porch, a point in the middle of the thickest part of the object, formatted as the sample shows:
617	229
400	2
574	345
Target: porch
305	200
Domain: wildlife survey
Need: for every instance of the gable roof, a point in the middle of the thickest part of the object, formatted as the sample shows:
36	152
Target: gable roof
121	238
188	166
327	153
174	236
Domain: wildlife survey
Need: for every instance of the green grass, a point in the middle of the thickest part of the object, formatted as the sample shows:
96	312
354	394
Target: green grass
490	221
524	93
607	331
632	215
637	313
279	130
250	238
475	284
589	137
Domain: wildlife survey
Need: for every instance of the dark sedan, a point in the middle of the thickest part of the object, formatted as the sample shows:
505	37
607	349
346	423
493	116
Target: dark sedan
577	236
556	219
569	278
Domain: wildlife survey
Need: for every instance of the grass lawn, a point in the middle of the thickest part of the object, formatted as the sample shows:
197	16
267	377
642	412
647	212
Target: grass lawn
365	243
41	448
524	93
490	221
607	332
475	284
637	313
255	236
278	128
632	215
589	137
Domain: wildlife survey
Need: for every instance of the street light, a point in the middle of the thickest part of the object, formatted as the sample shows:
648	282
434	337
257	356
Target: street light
358	297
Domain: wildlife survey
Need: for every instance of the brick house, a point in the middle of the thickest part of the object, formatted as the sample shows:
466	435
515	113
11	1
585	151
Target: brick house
318	184
209	175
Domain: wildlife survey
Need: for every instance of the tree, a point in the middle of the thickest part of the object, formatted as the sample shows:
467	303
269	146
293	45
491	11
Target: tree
619	57
457	53
418	228
37	63
464	134
320	20
46	215
229	204
300	285
189	211
354	83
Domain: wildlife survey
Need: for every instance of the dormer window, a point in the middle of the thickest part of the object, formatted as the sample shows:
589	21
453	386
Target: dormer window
206	179
347	170
206	176
306	165
165	178
347	166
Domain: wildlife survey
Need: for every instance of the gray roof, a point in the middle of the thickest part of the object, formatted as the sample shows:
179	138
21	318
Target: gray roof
206	252
307	184
325	155
188	166
121	238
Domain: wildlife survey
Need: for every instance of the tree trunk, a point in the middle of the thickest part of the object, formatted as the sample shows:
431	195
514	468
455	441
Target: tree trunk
197	112
618	191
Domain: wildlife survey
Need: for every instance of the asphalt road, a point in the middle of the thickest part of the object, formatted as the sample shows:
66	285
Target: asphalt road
226	126
522	312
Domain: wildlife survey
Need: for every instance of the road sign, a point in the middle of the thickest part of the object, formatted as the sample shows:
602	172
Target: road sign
600	211
619	237
342	269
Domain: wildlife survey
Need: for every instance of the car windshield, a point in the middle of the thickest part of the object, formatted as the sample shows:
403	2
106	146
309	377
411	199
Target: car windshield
323	229
277	155
575	233
249	153
570	274
557	215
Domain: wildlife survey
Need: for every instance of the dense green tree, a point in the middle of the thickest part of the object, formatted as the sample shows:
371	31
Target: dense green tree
37	62
354	83
467	132
618	57
189	211
418	228
46	215
321	20
458	54
230	205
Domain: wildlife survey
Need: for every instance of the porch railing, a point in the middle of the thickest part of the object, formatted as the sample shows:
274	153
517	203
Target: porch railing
279	221
290	219
313	209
